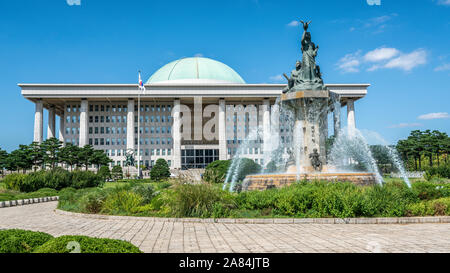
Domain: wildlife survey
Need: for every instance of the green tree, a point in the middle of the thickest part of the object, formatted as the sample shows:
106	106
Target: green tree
37	154
99	158
86	154
51	148
160	171
3	159
117	172
70	155
104	172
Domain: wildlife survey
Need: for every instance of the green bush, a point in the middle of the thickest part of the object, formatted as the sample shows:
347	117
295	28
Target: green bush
438	207
122	202
247	167
201	200
14	181
441	171
21	241
85	179
67	244
216	171
117	172
160	171
426	190
54	179
104	172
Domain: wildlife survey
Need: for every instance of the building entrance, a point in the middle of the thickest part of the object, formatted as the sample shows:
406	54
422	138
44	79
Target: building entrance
198	159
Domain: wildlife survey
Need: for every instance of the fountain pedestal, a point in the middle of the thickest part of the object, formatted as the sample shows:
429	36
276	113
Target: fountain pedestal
310	108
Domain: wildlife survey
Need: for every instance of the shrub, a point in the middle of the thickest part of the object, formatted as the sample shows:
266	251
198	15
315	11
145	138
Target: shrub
117	172
438	207
426	190
92	201
216	171
441	171
54	179
21	241
67	244
160	171
201	200
85	179
122	202
247	167
14	181
145	191
104	172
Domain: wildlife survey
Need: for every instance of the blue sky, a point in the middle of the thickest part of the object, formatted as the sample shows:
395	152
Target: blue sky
400	47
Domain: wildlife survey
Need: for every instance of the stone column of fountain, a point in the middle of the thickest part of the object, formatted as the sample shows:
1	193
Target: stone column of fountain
308	98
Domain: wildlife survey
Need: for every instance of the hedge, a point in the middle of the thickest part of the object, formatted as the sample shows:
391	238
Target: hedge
21	241
70	243
55	179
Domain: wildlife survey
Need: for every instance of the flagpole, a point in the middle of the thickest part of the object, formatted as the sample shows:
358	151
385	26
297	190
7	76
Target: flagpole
139	129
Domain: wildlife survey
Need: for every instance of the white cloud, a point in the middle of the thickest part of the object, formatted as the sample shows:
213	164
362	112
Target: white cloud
384	57
443	67
444	2
293	23
405	125
73	2
429	116
350	62
381	54
276	78
409	61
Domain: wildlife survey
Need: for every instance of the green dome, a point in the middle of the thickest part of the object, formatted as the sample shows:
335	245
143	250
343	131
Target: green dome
196	70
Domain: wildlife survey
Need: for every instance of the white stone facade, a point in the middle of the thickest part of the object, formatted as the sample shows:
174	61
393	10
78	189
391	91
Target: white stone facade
105	116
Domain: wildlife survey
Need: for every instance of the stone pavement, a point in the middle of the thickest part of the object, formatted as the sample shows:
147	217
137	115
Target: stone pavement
165	236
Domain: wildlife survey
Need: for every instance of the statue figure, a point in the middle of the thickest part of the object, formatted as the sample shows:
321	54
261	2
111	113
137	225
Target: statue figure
129	161
291	158
294	75
307	75
315	160
305	25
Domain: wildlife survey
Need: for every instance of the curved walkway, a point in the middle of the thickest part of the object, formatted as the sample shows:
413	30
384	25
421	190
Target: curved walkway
167	236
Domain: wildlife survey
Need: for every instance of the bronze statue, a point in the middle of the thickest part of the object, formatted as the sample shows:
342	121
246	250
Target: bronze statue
307	75
294	76
315	160
305	25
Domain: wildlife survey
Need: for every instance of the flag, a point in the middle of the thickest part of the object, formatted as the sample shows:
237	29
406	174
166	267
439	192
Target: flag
141	84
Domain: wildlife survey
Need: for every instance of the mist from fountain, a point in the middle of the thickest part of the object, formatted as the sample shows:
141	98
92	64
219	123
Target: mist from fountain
235	166
392	152
350	150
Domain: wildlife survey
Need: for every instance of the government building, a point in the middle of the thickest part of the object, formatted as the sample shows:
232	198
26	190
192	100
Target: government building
187	114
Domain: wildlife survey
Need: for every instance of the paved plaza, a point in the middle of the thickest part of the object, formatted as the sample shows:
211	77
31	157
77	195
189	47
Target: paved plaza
164	236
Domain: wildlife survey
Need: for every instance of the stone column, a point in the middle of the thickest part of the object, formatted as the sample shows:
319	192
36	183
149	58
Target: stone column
351	117
266	130
337	119
222	131
62	127
84	123
38	121
130	125
51	123
176	134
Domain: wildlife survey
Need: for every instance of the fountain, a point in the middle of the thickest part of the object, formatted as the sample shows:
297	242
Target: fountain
309	102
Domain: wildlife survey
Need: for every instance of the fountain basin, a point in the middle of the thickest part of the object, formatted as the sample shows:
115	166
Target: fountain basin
264	182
